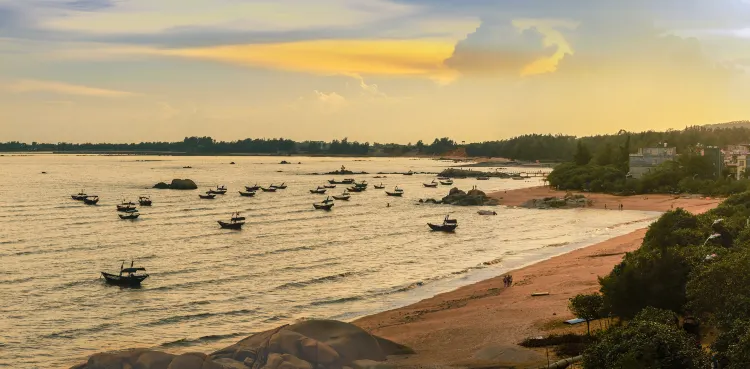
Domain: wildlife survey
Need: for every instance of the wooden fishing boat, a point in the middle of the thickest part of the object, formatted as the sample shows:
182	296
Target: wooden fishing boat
409	173
356	189
344	196
217	192
449	225
443	178
329	186
483	178
207	196
343	181
130	215
362	184
79	196
446	183
126	208
327	200
91	200
269	189
396	192
144	201
126	277
246	194
379	187
486	212
318	190
432	184
252	188
327	206
236	222
282	186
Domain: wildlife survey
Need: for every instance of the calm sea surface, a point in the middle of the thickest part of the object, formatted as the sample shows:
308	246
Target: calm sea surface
209	286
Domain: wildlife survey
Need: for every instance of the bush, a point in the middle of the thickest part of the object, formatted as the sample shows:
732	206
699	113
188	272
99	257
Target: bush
645	344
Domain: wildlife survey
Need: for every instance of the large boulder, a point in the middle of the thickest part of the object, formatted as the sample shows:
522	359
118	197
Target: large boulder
313	344
177	184
474	197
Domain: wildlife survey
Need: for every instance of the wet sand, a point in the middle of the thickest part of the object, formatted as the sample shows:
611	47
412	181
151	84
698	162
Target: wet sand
481	324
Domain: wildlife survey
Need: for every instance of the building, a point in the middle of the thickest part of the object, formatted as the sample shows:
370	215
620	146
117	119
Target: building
648	158
716	157
736	159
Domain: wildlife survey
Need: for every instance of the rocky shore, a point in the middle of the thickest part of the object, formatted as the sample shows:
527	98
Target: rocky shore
177	184
313	344
459	197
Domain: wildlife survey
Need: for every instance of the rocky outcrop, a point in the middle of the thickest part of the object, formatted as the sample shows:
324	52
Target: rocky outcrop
464	173
177	184
568	201
474	197
313	344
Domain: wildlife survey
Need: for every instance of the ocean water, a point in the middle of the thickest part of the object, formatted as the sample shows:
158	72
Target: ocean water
209	287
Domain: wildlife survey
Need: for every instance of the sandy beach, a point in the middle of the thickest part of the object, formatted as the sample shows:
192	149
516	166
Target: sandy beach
481	324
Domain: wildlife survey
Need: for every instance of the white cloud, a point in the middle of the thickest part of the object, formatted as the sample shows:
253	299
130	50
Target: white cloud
63	88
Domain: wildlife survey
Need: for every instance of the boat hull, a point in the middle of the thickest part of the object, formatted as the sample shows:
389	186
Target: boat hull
344	198
225	225
443	227
247	194
319	192
395	194
323	206
123	280
433	185
207	197
90	202
129	216
268	189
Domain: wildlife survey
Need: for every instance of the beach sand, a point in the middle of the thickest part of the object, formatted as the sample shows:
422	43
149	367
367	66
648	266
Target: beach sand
481	324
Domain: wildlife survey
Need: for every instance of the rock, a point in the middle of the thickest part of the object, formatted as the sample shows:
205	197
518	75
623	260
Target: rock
183	184
154	360
188	361
351	342
230	364
474	197
177	184
317	352
286	361
370	364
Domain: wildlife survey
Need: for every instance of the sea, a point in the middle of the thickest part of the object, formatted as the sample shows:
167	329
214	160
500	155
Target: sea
210	287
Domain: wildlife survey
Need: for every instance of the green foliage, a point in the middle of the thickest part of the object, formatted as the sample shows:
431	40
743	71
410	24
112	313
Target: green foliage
654	315
587	307
645	344
721	288
646	278
674	228
732	346
582	155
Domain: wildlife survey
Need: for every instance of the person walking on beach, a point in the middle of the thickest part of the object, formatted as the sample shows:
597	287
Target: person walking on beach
605	206
510	280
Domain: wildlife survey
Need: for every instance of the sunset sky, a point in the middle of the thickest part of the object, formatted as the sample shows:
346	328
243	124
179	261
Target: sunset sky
370	70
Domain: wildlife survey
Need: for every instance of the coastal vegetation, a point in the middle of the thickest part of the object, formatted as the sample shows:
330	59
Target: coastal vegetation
685	286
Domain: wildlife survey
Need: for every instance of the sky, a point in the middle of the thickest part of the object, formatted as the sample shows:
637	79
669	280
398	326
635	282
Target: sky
369	70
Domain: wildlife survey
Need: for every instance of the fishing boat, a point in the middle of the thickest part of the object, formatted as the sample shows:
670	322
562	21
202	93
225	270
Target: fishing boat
518	178
126	207
327	200
396	192
187	167
319	190
91	200
126	277
220	190
322	206
432	184
268	189
343	181
247	194
380	186
282	186
449	225
356	189
483	178
409	173
362	184
344	196
449	182
236	222
131	215
144	201
207	196
329	186
252	188
486	212
443	178
79	196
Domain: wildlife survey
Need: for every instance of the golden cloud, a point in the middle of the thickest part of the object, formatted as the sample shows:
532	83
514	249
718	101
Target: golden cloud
552	38
421	58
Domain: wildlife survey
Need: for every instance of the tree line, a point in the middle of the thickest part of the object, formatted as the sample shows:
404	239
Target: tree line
207	145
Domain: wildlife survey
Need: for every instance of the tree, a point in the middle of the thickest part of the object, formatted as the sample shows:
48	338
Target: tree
604	155
582	155
586	307
645	344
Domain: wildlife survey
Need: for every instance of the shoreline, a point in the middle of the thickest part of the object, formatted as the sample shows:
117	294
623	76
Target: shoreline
482	323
